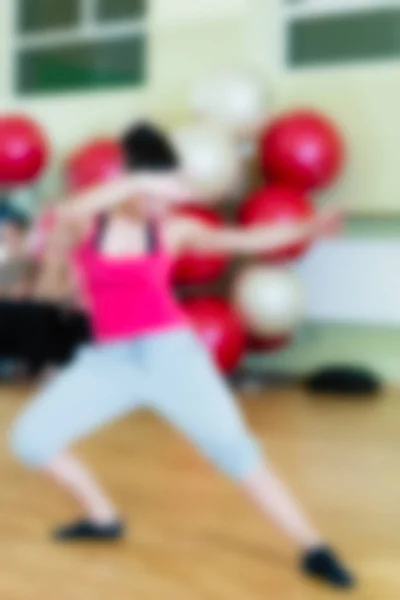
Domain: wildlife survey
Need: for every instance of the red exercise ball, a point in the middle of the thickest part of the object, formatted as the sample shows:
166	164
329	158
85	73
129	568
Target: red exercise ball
98	161
24	150
220	329
277	204
198	268
302	149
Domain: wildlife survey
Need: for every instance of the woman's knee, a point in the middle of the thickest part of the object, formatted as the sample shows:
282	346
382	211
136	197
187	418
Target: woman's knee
28	444
237	455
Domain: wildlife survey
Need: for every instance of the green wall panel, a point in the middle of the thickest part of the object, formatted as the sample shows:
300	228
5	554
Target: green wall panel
341	38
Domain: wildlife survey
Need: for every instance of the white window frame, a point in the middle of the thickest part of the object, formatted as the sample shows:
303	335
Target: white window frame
88	29
295	12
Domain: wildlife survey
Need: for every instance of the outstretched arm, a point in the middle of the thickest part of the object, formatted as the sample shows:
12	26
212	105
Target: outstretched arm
101	198
194	236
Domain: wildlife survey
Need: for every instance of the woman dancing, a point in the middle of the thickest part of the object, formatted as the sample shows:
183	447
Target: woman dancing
123	238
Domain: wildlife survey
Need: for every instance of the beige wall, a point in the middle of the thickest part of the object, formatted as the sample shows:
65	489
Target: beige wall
186	39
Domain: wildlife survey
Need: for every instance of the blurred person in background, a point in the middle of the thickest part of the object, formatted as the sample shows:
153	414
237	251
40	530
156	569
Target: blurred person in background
121	239
17	270
40	326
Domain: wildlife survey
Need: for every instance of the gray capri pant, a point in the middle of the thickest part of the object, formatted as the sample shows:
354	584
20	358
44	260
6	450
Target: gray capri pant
169	372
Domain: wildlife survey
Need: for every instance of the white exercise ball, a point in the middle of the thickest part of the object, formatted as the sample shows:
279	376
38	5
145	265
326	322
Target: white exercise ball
269	300
210	160
235	100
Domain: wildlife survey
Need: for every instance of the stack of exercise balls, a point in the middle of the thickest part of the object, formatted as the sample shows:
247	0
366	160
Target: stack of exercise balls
229	109
299	152
295	154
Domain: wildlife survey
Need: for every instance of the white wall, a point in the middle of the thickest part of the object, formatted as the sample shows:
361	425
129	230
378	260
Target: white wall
353	281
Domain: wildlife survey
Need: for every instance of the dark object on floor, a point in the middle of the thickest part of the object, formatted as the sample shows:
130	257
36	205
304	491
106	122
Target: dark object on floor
324	565
88	531
343	380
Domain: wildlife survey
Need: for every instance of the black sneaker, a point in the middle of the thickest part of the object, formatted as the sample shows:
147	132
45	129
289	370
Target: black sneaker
86	530
323	564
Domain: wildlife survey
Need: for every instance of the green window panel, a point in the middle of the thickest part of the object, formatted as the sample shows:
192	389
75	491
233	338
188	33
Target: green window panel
82	66
337	39
38	15
109	10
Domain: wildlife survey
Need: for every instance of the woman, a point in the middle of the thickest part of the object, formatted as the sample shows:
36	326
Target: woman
123	239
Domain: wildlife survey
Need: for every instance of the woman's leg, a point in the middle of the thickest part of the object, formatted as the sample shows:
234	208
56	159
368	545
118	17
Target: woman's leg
193	396
268	492
72	475
98	388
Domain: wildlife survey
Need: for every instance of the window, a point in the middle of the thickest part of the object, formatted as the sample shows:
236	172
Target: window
72	45
107	10
46	14
331	32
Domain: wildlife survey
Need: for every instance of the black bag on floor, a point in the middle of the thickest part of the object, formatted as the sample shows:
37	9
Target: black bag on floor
343	380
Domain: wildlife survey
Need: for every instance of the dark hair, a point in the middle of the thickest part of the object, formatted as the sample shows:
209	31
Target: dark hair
147	148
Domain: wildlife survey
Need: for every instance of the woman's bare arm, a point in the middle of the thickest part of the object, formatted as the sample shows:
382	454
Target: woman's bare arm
108	195
189	234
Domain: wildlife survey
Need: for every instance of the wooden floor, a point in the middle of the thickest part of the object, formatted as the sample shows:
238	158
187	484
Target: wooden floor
192	535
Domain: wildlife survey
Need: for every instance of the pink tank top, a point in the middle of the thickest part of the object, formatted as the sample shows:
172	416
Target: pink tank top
127	297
